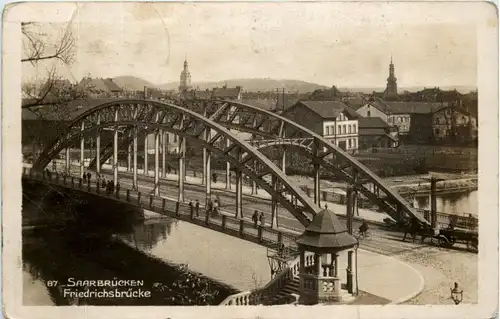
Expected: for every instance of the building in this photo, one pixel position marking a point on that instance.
(225, 93)
(100, 88)
(334, 120)
(185, 79)
(391, 91)
(453, 124)
(401, 114)
(372, 107)
(374, 132)
(196, 95)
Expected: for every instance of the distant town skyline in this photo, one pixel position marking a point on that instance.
(312, 43)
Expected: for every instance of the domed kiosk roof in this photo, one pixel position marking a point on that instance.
(326, 233)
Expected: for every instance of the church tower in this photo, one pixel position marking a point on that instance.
(185, 83)
(391, 92)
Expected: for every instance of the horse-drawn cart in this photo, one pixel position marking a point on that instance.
(448, 237)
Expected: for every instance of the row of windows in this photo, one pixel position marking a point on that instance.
(401, 119)
(349, 143)
(444, 121)
(341, 129)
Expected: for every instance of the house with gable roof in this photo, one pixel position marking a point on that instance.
(333, 120)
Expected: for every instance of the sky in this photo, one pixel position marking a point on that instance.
(323, 43)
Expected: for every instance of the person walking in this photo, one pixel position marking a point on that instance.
(103, 183)
(209, 206)
(118, 187)
(89, 176)
(262, 219)
(85, 178)
(216, 207)
(326, 205)
(191, 208)
(197, 208)
(255, 218)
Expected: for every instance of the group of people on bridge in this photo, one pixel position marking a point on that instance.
(258, 218)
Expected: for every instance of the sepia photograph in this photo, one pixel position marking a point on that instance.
(238, 154)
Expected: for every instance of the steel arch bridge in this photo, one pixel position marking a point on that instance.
(140, 115)
(270, 129)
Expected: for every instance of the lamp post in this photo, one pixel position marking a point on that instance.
(456, 294)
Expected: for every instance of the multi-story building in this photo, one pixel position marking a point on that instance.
(334, 120)
(454, 124)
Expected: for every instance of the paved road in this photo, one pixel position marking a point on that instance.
(381, 240)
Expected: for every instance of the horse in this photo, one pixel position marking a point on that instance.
(415, 228)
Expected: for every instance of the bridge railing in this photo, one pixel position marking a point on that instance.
(265, 294)
(223, 221)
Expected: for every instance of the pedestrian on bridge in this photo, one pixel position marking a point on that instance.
(216, 207)
(117, 187)
(191, 208)
(214, 177)
(85, 178)
(197, 208)
(103, 183)
(89, 176)
(209, 206)
(255, 218)
(262, 219)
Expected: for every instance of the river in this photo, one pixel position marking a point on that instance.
(52, 254)
(461, 203)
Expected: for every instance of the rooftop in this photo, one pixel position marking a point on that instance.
(330, 109)
(226, 93)
(371, 122)
(326, 232)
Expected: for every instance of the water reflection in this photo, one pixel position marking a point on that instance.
(462, 203)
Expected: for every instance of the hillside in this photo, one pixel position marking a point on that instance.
(132, 83)
(254, 85)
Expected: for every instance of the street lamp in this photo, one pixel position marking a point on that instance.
(456, 294)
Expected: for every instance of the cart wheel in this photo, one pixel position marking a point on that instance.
(452, 241)
(442, 242)
(472, 244)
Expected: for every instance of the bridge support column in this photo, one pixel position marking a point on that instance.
(204, 175)
(82, 152)
(68, 167)
(129, 154)
(239, 188)
(157, 164)
(228, 169)
(433, 203)
(115, 150)
(146, 170)
(317, 190)
(180, 173)
(254, 184)
(134, 150)
(206, 169)
(274, 205)
(283, 161)
(163, 155)
(350, 209)
(98, 147)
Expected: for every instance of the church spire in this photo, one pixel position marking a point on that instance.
(185, 78)
(391, 92)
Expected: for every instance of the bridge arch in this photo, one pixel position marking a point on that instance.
(268, 127)
(152, 115)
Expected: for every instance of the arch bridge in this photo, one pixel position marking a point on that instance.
(215, 125)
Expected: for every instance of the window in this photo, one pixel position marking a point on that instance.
(327, 130)
(353, 143)
(354, 128)
(369, 113)
(350, 143)
(344, 129)
(349, 128)
(339, 131)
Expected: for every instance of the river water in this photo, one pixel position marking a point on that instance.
(49, 255)
(461, 203)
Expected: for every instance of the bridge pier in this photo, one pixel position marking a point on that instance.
(182, 170)
(239, 188)
(317, 190)
(350, 209)
(82, 151)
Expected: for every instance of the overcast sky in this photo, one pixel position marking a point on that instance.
(321, 43)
